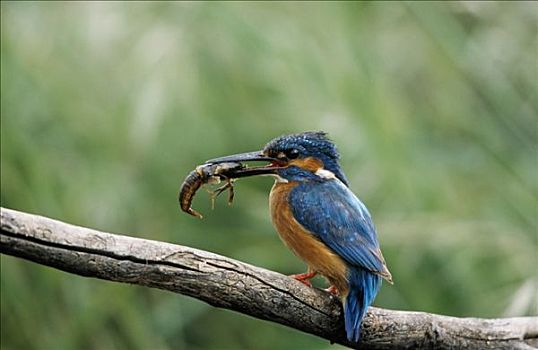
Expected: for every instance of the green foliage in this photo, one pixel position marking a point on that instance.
(105, 108)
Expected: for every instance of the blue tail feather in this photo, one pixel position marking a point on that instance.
(363, 287)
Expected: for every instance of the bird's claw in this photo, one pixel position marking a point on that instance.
(333, 290)
(304, 277)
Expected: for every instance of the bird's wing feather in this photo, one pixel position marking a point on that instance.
(338, 218)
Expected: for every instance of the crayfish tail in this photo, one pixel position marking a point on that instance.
(195, 213)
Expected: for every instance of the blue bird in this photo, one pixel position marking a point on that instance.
(321, 220)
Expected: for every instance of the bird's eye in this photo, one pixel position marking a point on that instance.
(293, 153)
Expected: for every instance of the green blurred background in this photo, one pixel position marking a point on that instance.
(105, 107)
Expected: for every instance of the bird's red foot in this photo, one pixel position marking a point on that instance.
(332, 290)
(304, 277)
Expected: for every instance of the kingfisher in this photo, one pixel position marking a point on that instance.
(320, 219)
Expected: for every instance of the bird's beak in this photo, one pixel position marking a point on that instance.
(257, 156)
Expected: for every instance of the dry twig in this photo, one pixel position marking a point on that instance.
(231, 284)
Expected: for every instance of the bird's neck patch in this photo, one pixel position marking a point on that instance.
(314, 165)
(311, 164)
(325, 174)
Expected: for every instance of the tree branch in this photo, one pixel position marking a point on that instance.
(251, 290)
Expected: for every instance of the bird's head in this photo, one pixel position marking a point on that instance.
(292, 157)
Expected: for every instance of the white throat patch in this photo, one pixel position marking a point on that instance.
(325, 174)
(279, 179)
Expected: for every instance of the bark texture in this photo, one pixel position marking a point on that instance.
(231, 284)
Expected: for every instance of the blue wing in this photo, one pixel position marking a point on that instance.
(337, 217)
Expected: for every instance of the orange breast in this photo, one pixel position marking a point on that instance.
(306, 246)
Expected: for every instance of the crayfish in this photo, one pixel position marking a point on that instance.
(208, 174)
